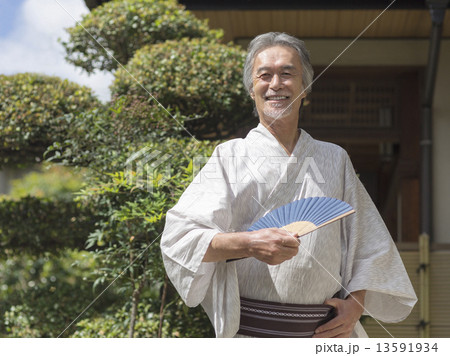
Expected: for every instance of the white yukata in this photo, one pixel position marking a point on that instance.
(244, 180)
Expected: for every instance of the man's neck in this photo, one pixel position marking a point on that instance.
(285, 131)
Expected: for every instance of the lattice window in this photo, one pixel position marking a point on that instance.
(355, 104)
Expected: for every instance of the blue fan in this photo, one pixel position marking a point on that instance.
(305, 215)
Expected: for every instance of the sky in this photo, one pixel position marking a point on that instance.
(29, 32)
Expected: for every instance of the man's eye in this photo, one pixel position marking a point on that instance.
(264, 75)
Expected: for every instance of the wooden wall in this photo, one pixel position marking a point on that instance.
(439, 299)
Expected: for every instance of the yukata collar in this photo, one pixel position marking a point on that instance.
(262, 136)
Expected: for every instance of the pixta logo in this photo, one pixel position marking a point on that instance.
(146, 169)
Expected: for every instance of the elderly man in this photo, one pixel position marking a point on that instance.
(351, 265)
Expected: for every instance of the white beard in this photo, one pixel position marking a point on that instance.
(277, 113)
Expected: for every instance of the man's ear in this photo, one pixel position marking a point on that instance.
(303, 94)
(252, 93)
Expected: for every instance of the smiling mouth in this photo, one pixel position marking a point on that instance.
(276, 97)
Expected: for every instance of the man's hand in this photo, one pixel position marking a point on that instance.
(348, 313)
(273, 246)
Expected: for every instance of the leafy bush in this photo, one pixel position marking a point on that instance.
(183, 322)
(137, 197)
(122, 27)
(30, 109)
(37, 225)
(199, 77)
(116, 324)
(131, 204)
(103, 138)
(131, 207)
(56, 182)
(40, 215)
(45, 294)
(138, 163)
(19, 323)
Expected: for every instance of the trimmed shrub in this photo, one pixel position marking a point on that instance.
(183, 322)
(199, 77)
(103, 138)
(46, 293)
(131, 203)
(122, 27)
(38, 225)
(54, 182)
(116, 325)
(131, 207)
(31, 106)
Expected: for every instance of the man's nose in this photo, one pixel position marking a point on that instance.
(276, 82)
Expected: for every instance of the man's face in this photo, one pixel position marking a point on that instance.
(277, 83)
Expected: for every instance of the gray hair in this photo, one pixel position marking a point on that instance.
(272, 39)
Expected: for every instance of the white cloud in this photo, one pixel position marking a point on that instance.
(32, 46)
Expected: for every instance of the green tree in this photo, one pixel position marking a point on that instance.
(48, 181)
(129, 218)
(122, 27)
(101, 139)
(130, 226)
(41, 294)
(31, 108)
(111, 227)
(199, 77)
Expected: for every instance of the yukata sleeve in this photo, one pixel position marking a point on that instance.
(370, 258)
(202, 211)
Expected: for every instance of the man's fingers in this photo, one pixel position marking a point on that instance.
(274, 246)
(340, 331)
(330, 325)
(290, 242)
(343, 324)
(334, 302)
(334, 323)
(328, 332)
(334, 328)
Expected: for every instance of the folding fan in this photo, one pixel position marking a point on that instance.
(305, 215)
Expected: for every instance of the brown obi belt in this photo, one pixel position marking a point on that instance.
(271, 319)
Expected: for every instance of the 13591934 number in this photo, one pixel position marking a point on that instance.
(406, 347)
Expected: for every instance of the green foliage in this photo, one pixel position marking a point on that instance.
(127, 231)
(31, 106)
(56, 182)
(40, 215)
(116, 325)
(37, 225)
(180, 321)
(183, 321)
(199, 77)
(103, 138)
(123, 219)
(137, 162)
(131, 206)
(122, 27)
(18, 322)
(44, 295)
